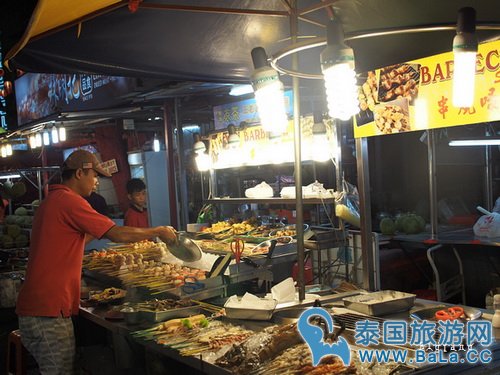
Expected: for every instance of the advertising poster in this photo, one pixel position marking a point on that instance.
(417, 95)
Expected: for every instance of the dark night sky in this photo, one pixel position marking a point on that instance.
(14, 15)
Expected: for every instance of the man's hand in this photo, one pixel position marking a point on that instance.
(167, 234)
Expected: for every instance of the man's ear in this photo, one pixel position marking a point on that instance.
(129, 196)
(78, 173)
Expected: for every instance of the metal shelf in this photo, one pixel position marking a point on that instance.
(276, 201)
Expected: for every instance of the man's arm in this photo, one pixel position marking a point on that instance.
(88, 238)
(132, 234)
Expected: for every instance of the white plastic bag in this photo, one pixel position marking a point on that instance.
(262, 190)
(488, 226)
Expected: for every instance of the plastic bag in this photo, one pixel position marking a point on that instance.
(262, 190)
(497, 206)
(488, 226)
(347, 204)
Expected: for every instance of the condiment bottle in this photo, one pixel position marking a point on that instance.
(495, 322)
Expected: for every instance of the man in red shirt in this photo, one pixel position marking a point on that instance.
(63, 223)
(137, 214)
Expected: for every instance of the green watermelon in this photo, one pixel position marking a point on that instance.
(18, 189)
(21, 211)
(22, 240)
(7, 241)
(387, 226)
(400, 222)
(13, 230)
(10, 219)
(411, 225)
(421, 222)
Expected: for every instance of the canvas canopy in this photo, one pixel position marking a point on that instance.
(211, 41)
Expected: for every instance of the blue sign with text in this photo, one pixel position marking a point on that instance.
(244, 111)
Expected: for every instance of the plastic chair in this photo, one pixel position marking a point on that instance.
(445, 289)
(16, 354)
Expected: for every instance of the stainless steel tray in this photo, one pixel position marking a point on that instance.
(211, 287)
(250, 314)
(160, 316)
(380, 303)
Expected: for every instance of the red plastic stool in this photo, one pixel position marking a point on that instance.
(16, 354)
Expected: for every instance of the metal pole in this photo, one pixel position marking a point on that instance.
(298, 159)
(431, 156)
(169, 146)
(40, 186)
(366, 213)
(488, 175)
(182, 168)
(45, 178)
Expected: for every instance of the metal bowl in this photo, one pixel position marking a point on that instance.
(185, 248)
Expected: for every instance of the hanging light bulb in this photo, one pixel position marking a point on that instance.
(269, 94)
(320, 148)
(233, 141)
(156, 144)
(238, 90)
(337, 65)
(55, 135)
(202, 159)
(464, 56)
(32, 140)
(278, 152)
(62, 133)
(233, 155)
(46, 138)
(9, 149)
(198, 146)
(38, 138)
(202, 162)
(3, 151)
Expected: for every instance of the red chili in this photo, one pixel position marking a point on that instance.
(451, 313)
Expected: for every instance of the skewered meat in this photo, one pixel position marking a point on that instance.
(259, 348)
(399, 81)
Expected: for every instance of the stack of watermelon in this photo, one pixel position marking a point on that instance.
(408, 223)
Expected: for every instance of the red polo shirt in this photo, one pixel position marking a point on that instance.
(52, 285)
(136, 218)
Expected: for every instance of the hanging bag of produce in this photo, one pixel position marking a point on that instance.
(347, 204)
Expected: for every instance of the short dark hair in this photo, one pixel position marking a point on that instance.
(135, 185)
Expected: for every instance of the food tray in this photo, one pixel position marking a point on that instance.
(380, 303)
(250, 314)
(160, 316)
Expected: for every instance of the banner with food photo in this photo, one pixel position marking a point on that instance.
(417, 95)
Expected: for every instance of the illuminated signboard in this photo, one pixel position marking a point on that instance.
(3, 101)
(42, 95)
(244, 111)
(417, 95)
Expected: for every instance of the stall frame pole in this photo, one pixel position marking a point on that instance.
(431, 155)
(182, 168)
(298, 158)
(363, 166)
(169, 154)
